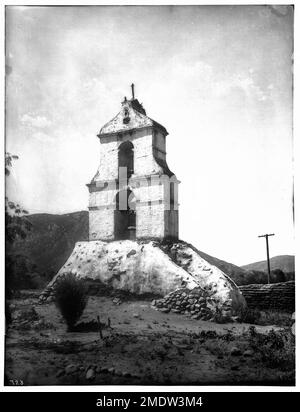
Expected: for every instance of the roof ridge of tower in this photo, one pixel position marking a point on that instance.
(132, 116)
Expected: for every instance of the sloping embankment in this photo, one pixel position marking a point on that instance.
(143, 267)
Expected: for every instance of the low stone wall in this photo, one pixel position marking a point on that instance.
(198, 303)
(276, 296)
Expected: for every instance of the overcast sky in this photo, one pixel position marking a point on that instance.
(219, 79)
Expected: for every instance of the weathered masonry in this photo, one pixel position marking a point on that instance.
(133, 195)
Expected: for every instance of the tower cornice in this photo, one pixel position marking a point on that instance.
(154, 126)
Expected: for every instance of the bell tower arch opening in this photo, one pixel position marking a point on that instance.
(133, 156)
(126, 157)
(125, 215)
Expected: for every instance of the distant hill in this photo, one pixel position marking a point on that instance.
(286, 263)
(52, 239)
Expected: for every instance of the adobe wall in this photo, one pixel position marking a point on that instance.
(275, 296)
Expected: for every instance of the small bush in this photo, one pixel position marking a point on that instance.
(228, 336)
(216, 347)
(276, 349)
(265, 317)
(220, 318)
(250, 316)
(70, 295)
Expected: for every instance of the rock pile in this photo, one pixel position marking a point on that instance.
(198, 303)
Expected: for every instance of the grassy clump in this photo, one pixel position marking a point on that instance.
(70, 296)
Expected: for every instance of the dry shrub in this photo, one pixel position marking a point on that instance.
(276, 348)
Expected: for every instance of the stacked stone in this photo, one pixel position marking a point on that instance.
(47, 294)
(276, 296)
(197, 303)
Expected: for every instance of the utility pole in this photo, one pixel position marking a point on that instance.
(268, 257)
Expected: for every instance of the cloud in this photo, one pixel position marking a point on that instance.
(243, 82)
(40, 122)
(36, 126)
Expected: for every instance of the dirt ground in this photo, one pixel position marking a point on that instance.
(142, 346)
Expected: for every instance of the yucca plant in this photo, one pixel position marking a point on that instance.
(70, 294)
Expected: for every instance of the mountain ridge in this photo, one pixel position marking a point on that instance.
(286, 263)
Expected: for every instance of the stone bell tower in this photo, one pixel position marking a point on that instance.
(133, 195)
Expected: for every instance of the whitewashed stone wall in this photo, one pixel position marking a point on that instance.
(146, 267)
(150, 221)
(144, 161)
(153, 219)
(101, 224)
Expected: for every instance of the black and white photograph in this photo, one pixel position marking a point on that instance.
(149, 196)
